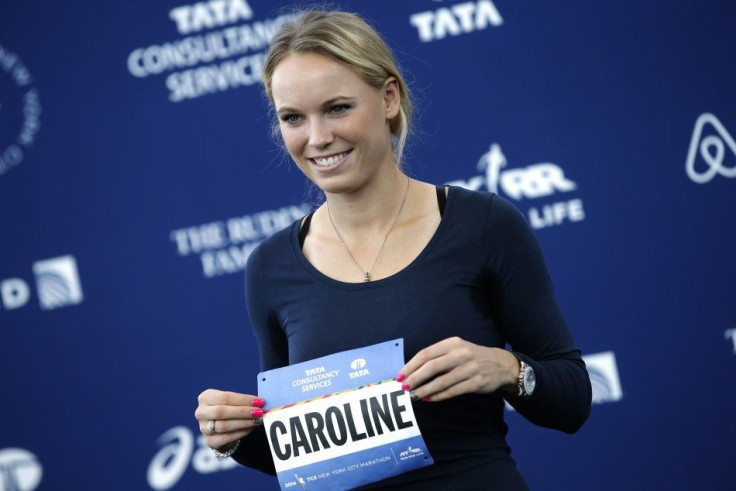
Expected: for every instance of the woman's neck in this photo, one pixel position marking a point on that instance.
(371, 209)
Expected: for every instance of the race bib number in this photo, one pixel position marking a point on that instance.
(341, 421)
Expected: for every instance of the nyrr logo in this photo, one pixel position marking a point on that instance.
(461, 18)
(531, 182)
(177, 451)
(410, 453)
(57, 284)
(604, 377)
(711, 149)
(300, 480)
(19, 470)
(359, 368)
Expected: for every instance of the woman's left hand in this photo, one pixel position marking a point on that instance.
(454, 366)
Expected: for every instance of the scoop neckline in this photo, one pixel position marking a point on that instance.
(320, 276)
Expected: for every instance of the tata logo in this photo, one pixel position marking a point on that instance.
(707, 156)
(359, 368)
(461, 18)
(57, 285)
(534, 181)
(208, 15)
(19, 470)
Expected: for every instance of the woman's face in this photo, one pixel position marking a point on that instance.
(335, 126)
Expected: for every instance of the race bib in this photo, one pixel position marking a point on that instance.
(341, 421)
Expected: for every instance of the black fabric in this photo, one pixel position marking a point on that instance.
(304, 229)
(441, 199)
(481, 277)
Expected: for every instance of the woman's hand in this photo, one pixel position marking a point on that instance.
(234, 415)
(454, 366)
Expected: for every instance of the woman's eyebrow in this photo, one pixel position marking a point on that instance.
(335, 99)
(329, 102)
(285, 110)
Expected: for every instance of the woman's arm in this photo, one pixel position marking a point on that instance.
(527, 313)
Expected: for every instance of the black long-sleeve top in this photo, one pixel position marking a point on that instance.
(481, 277)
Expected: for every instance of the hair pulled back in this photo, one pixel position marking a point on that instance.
(349, 39)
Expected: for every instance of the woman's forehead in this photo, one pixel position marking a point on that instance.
(305, 78)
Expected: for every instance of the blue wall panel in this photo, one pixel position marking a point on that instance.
(137, 173)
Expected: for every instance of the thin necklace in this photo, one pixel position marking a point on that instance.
(367, 274)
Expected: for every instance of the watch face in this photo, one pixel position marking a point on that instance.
(529, 380)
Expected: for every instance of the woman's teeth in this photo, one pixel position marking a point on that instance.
(325, 162)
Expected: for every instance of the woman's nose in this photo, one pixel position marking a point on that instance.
(320, 134)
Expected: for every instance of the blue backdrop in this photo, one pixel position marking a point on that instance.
(137, 173)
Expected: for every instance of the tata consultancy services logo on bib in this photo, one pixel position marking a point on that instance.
(710, 154)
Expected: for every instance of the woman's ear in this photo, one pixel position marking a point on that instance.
(391, 97)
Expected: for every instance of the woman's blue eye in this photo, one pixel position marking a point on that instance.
(339, 108)
(290, 119)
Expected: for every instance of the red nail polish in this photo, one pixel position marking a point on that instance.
(258, 402)
(400, 377)
(426, 399)
(256, 413)
(405, 386)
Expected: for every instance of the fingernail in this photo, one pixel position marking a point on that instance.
(256, 413)
(400, 377)
(258, 402)
(258, 421)
(426, 399)
(413, 396)
(404, 386)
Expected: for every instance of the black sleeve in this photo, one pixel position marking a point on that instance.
(534, 325)
(273, 350)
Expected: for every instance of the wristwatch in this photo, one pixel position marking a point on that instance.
(526, 381)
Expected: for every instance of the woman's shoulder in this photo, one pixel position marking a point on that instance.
(485, 202)
(275, 246)
(487, 207)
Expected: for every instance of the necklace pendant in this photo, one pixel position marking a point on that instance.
(366, 277)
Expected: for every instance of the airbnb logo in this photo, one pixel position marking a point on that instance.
(711, 148)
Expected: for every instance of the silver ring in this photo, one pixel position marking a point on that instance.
(211, 427)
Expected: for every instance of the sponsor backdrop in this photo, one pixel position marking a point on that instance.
(137, 174)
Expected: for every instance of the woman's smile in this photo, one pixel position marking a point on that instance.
(329, 162)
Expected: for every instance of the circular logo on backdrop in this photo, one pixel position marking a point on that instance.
(19, 470)
(20, 110)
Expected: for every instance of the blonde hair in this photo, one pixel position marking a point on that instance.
(349, 39)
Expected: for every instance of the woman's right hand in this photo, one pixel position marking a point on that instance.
(235, 416)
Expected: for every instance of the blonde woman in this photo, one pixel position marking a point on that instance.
(457, 274)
